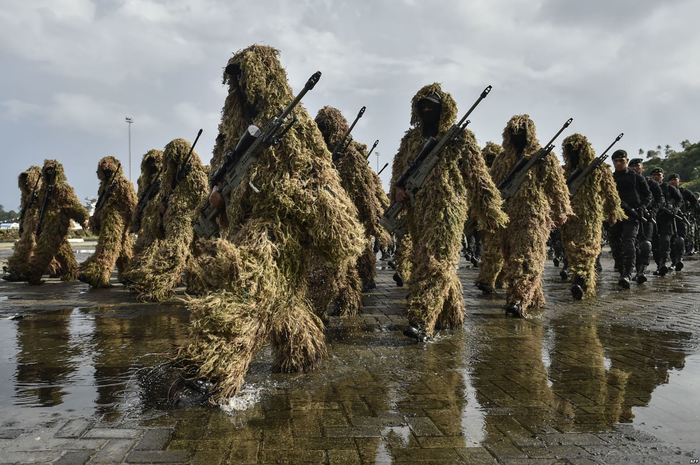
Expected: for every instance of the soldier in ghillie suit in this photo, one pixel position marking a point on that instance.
(490, 151)
(157, 269)
(296, 217)
(541, 204)
(58, 205)
(357, 180)
(436, 215)
(146, 220)
(116, 200)
(594, 202)
(29, 185)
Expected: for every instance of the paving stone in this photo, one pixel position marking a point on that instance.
(344, 457)
(112, 433)
(74, 428)
(10, 433)
(113, 452)
(40, 456)
(154, 439)
(158, 456)
(476, 455)
(74, 457)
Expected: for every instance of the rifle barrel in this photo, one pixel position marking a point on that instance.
(376, 142)
(341, 144)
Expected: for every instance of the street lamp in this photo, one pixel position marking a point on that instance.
(129, 120)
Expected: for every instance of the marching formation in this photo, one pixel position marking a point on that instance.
(281, 230)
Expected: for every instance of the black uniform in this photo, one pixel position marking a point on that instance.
(688, 207)
(636, 197)
(670, 243)
(647, 237)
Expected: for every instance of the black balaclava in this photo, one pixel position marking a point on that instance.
(429, 110)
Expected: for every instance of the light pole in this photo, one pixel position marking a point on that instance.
(129, 120)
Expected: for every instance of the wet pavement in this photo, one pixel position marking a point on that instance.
(610, 381)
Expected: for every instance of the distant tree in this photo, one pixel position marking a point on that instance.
(685, 162)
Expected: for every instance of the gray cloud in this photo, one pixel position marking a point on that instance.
(73, 69)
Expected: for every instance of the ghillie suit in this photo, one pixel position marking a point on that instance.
(157, 269)
(471, 244)
(436, 215)
(541, 203)
(146, 220)
(295, 217)
(382, 239)
(595, 201)
(29, 183)
(358, 182)
(60, 205)
(113, 212)
(490, 151)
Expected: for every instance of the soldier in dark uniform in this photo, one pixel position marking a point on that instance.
(666, 223)
(654, 181)
(635, 196)
(647, 223)
(687, 205)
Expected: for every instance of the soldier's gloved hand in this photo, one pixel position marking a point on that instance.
(216, 200)
(400, 194)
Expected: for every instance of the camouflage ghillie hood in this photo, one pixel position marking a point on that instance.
(27, 181)
(151, 166)
(58, 168)
(517, 124)
(577, 144)
(174, 157)
(257, 83)
(333, 126)
(109, 167)
(448, 111)
(490, 151)
(258, 76)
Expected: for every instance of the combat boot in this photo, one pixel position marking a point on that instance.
(485, 288)
(416, 332)
(515, 309)
(564, 274)
(624, 281)
(640, 278)
(679, 266)
(398, 279)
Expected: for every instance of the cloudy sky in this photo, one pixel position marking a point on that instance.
(73, 69)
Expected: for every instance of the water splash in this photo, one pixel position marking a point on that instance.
(247, 397)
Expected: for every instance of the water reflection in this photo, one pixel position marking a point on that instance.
(45, 358)
(648, 356)
(589, 394)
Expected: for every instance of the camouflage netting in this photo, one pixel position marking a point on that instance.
(541, 204)
(62, 205)
(490, 151)
(146, 220)
(299, 217)
(115, 207)
(157, 269)
(436, 217)
(18, 263)
(596, 201)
